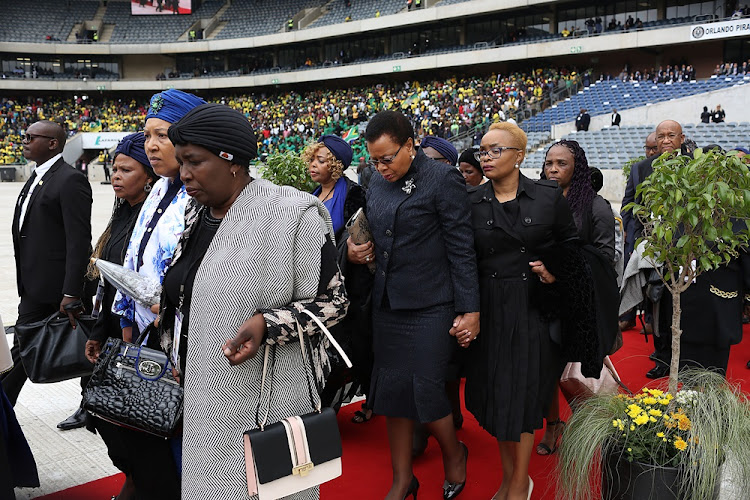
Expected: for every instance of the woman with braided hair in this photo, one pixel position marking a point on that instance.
(566, 164)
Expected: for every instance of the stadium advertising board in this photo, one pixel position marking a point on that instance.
(159, 7)
(725, 29)
(102, 140)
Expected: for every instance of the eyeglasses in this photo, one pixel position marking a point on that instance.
(493, 153)
(650, 148)
(386, 160)
(31, 137)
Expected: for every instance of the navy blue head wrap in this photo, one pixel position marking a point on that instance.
(172, 104)
(339, 148)
(442, 146)
(133, 146)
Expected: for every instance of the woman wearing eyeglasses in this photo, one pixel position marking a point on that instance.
(518, 225)
(425, 295)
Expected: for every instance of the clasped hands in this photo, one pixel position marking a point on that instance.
(465, 328)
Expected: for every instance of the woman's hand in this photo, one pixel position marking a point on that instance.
(246, 343)
(127, 334)
(92, 350)
(155, 309)
(360, 254)
(537, 267)
(465, 328)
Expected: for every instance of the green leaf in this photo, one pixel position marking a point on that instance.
(683, 240)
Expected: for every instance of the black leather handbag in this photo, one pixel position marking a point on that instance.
(52, 350)
(133, 387)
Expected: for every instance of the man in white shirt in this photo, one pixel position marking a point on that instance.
(51, 238)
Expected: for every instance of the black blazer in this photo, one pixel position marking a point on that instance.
(545, 222)
(53, 246)
(424, 245)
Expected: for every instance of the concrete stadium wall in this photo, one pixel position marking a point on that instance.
(400, 19)
(734, 101)
(591, 47)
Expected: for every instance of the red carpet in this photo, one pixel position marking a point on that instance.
(366, 461)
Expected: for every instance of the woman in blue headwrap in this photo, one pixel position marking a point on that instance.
(161, 220)
(327, 159)
(132, 179)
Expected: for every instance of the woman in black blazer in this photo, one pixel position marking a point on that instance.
(519, 226)
(425, 294)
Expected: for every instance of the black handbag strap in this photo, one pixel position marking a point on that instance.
(261, 423)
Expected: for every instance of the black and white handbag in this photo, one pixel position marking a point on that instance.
(298, 452)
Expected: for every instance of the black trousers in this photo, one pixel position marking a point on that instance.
(154, 478)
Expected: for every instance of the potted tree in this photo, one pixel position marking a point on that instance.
(669, 441)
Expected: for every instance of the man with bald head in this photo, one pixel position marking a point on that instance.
(669, 137)
(51, 238)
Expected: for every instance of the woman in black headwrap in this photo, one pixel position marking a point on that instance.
(470, 167)
(327, 159)
(253, 255)
(132, 180)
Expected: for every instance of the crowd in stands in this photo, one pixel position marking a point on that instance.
(76, 114)
(669, 74)
(287, 120)
(732, 68)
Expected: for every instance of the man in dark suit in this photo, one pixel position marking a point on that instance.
(615, 118)
(582, 121)
(51, 238)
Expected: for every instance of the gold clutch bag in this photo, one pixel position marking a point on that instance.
(359, 231)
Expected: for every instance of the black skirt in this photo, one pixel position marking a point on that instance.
(412, 350)
(513, 363)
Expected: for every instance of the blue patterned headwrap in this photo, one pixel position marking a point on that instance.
(172, 104)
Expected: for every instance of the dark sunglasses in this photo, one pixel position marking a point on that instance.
(31, 137)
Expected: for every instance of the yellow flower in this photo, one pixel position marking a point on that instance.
(652, 419)
(655, 413)
(614, 423)
(663, 401)
(641, 419)
(632, 427)
(655, 392)
(660, 434)
(680, 444)
(684, 424)
(649, 401)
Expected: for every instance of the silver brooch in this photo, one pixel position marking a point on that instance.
(409, 186)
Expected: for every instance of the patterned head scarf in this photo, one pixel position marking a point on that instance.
(172, 104)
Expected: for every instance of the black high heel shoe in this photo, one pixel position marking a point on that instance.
(413, 488)
(452, 490)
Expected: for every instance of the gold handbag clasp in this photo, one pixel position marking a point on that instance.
(303, 470)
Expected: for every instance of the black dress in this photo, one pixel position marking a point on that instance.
(514, 363)
(127, 447)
